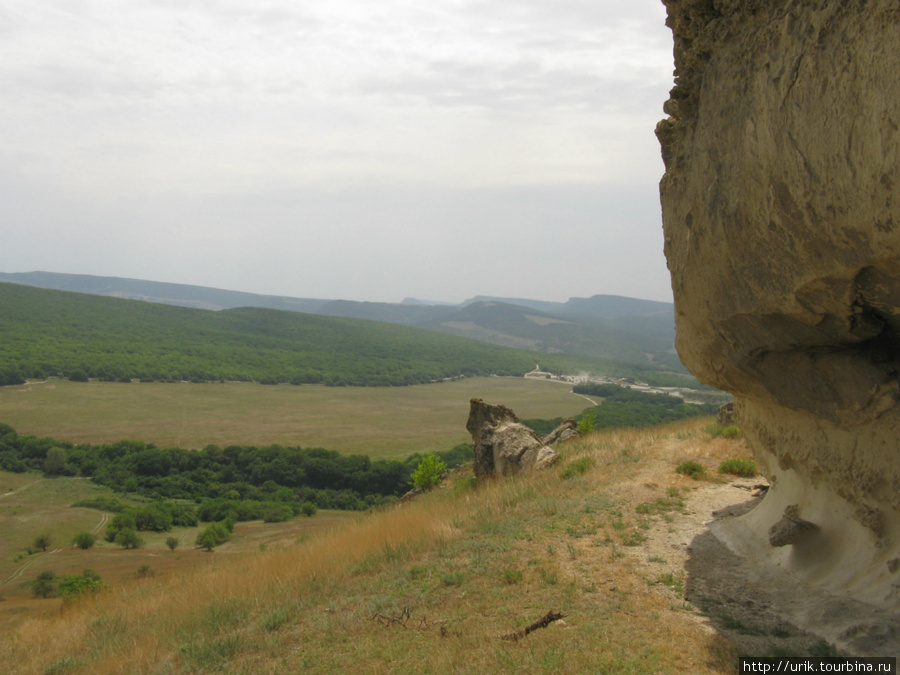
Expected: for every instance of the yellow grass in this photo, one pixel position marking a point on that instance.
(389, 422)
(429, 586)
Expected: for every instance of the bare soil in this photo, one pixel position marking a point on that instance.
(712, 582)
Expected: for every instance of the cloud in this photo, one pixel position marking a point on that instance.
(399, 125)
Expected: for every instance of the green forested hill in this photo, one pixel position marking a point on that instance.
(45, 332)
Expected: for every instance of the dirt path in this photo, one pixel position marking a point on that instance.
(35, 558)
(99, 526)
(589, 400)
(14, 492)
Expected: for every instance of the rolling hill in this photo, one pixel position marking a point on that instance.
(48, 332)
(610, 328)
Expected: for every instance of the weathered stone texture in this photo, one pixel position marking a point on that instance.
(781, 209)
(504, 446)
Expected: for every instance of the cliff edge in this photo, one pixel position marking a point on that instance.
(781, 209)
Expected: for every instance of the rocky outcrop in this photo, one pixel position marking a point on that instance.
(504, 446)
(781, 209)
(564, 432)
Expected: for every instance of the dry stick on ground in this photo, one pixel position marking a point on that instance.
(424, 624)
(549, 618)
(387, 620)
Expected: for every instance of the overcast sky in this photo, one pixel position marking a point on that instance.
(350, 149)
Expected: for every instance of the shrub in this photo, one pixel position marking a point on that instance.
(84, 540)
(719, 431)
(45, 584)
(121, 522)
(739, 467)
(278, 513)
(172, 543)
(587, 424)
(76, 584)
(42, 542)
(308, 509)
(128, 538)
(428, 474)
(213, 535)
(692, 469)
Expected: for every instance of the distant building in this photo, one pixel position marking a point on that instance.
(538, 374)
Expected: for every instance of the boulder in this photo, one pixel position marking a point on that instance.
(503, 445)
(725, 414)
(781, 218)
(564, 432)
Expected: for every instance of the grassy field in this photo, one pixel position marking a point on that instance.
(383, 422)
(31, 505)
(429, 586)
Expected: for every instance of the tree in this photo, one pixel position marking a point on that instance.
(42, 541)
(172, 543)
(308, 509)
(428, 474)
(55, 462)
(213, 535)
(84, 540)
(207, 540)
(128, 538)
(122, 521)
(45, 584)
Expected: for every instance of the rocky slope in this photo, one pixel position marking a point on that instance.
(782, 156)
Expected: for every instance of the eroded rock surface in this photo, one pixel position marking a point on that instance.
(781, 209)
(564, 432)
(503, 445)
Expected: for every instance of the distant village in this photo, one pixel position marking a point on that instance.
(689, 395)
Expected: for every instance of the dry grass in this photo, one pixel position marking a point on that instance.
(429, 586)
(378, 421)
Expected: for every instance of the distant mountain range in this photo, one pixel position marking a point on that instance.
(607, 327)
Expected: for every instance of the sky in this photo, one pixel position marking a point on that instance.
(344, 149)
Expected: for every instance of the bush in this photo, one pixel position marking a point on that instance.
(308, 509)
(128, 538)
(739, 467)
(278, 513)
(123, 521)
(84, 540)
(213, 535)
(76, 584)
(42, 542)
(718, 431)
(692, 469)
(587, 424)
(45, 584)
(428, 474)
(172, 543)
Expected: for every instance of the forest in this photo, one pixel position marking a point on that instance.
(624, 407)
(236, 482)
(47, 333)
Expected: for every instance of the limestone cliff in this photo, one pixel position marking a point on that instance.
(781, 209)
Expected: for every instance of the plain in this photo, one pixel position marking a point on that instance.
(381, 422)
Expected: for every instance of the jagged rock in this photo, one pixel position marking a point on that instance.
(781, 216)
(504, 446)
(564, 432)
(791, 528)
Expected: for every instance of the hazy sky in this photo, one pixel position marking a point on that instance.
(349, 149)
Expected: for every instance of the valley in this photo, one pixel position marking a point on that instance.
(381, 422)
